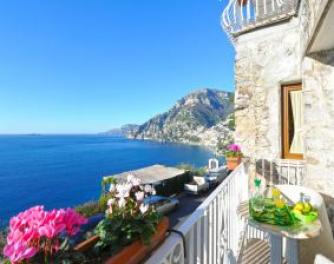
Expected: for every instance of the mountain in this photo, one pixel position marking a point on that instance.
(126, 130)
(203, 117)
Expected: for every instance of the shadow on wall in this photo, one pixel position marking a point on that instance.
(325, 57)
(329, 201)
(276, 171)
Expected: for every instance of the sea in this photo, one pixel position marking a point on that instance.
(60, 171)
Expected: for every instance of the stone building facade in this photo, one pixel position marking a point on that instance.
(296, 49)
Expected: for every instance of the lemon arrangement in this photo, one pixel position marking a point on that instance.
(272, 208)
(304, 211)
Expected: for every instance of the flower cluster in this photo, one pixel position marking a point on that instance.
(36, 230)
(129, 195)
(128, 216)
(233, 150)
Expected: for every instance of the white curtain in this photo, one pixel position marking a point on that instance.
(297, 145)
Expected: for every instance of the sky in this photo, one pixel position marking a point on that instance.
(86, 66)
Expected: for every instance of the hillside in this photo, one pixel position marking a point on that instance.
(204, 117)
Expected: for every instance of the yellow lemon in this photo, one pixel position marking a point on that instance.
(299, 206)
(307, 208)
(275, 193)
(279, 203)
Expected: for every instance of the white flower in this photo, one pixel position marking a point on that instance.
(109, 210)
(140, 196)
(123, 190)
(112, 187)
(148, 188)
(136, 181)
(154, 192)
(121, 202)
(111, 201)
(143, 208)
(130, 178)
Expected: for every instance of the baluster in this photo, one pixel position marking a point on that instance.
(205, 237)
(210, 233)
(271, 178)
(215, 225)
(199, 241)
(273, 6)
(288, 172)
(190, 246)
(264, 7)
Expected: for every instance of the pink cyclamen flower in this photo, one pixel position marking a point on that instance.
(234, 148)
(140, 196)
(73, 221)
(19, 251)
(30, 227)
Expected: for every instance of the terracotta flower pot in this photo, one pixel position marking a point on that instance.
(233, 162)
(242, 2)
(133, 253)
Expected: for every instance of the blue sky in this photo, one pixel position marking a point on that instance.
(76, 66)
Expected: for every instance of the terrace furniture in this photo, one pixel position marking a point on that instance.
(197, 186)
(302, 244)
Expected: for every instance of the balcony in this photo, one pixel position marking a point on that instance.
(241, 16)
(215, 232)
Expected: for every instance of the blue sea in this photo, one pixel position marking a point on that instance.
(63, 171)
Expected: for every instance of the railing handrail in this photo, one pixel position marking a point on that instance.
(174, 242)
(187, 224)
(213, 232)
(241, 16)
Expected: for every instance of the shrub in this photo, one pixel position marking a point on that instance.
(201, 171)
(91, 208)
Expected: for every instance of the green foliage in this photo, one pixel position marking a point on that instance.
(90, 208)
(104, 200)
(231, 123)
(3, 242)
(192, 170)
(194, 139)
(107, 181)
(127, 217)
(231, 97)
(116, 232)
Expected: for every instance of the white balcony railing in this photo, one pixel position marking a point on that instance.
(244, 15)
(213, 233)
(205, 233)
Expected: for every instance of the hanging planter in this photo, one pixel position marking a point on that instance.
(242, 2)
(133, 253)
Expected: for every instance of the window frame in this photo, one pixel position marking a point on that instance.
(285, 89)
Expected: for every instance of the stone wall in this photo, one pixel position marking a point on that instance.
(318, 86)
(265, 60)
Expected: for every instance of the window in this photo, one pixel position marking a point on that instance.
(292, 122)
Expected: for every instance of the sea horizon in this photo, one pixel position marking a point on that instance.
(66, 170)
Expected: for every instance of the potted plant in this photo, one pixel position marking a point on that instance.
(233, 156)
(39, 236)
(242, 2)
(131, 228)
